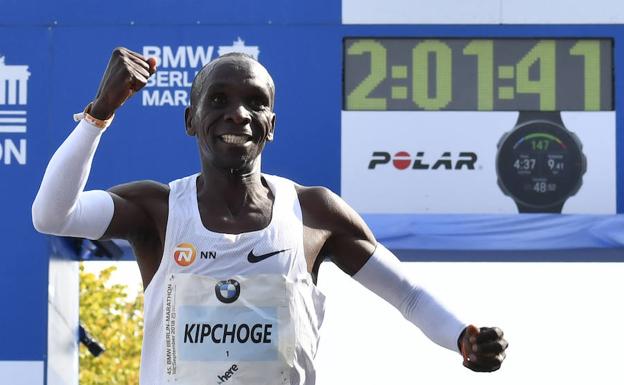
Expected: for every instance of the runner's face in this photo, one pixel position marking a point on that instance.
(233, 118)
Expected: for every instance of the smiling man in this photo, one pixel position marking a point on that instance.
(249, 314)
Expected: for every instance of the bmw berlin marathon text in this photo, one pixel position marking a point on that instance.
(177, 67)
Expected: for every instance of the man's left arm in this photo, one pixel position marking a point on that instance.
(353, 248)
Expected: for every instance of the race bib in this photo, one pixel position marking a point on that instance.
(239, 330)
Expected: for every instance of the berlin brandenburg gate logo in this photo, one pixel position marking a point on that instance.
(14, 95)
(13, 101)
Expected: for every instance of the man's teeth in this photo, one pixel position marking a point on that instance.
(235, 139)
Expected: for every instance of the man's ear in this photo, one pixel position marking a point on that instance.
(188, 121)
(272, 130)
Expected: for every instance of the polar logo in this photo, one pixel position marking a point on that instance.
(403, 160)
(184, 254)
(13, 100)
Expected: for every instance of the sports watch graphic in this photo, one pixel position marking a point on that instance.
(539, 163)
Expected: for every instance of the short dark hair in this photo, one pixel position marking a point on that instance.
(196, 87)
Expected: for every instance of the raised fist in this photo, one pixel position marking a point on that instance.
(127, 72)
(483, 349)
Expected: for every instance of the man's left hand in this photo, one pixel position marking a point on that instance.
(483, 349)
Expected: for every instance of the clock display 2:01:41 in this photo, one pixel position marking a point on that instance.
(478, 74)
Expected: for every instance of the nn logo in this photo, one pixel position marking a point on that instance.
(207, 255)
(227, 375)
(184, 254)
(403, 160)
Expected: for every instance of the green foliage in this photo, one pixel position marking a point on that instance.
(117, 323)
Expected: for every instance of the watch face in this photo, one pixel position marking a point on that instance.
(540, 164)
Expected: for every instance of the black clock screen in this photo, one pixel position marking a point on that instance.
(478, 74)
(539, 163)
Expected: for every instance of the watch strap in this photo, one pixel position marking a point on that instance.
(524, 209)
(530, 116)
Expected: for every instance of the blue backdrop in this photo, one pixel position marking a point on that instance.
(66, 46)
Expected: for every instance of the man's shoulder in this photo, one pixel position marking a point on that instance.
(321, 207)
(308, 195)
(324, 210)
(142, 190)
(317, 195)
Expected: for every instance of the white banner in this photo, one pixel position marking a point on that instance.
(482, 12)
(444, 162)
(539, 306)
(21, 372)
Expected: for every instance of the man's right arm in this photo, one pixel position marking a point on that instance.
(61, 206)
(135, 211)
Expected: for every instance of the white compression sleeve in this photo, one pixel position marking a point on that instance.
(382, 274)
(61, 206)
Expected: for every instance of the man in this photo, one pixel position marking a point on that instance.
(251, 315)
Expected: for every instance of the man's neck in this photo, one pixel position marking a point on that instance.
(234, 190)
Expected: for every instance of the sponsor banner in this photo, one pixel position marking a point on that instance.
(482, 12)
(93, 14)
(148, 140)
(177, 67)
(24, 106)
(445, 162)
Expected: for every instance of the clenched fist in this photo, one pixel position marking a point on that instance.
(483, 349)
(127, 72)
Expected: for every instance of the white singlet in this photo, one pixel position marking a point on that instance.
(231, 308)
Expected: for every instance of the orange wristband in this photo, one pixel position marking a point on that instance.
(99, 123)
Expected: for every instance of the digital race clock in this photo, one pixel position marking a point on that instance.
(539, 163)
(478, 74)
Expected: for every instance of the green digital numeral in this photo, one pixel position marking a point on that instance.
(540, 144)
(590, 50)
(358, 99)
(443, 75)
(543, 55)
(484, 51)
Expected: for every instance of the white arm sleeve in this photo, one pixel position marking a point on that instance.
(61, 207)
(382, 274)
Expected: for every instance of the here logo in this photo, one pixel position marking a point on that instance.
(228, 374)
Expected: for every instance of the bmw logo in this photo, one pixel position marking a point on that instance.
(227, 291)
